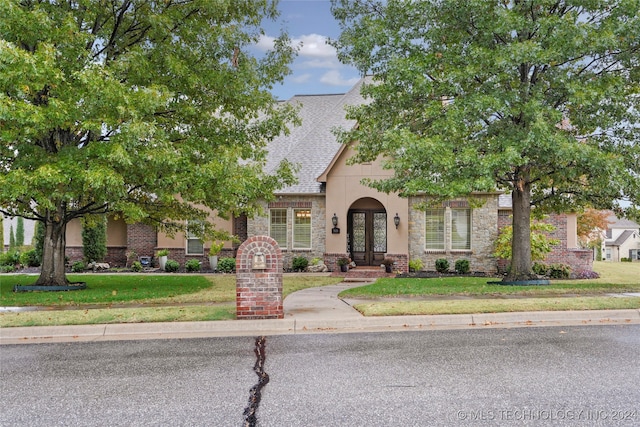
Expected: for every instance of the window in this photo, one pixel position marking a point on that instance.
(607, 252)
(278, 226)
(435, 229)
(442, 227)
(302, 228)
(461, 229)
(194, 244)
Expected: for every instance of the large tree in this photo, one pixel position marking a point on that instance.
(120, 105)
(539, 98)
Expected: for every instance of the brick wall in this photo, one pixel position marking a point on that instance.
(259, 290)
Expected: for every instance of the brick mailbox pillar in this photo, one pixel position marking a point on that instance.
(259, 279)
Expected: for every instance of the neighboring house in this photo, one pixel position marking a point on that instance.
(12, 222)
(622, 239)
(369, 225)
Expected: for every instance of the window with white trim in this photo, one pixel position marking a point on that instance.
(460, 229)
(195, 246)
(278, 226)
(434, 233)
(302, 228)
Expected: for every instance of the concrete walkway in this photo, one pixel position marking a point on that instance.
(313, 310)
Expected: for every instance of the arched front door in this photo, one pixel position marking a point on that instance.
(367, 232)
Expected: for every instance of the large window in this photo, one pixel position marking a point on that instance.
(194, 244)
(448, 229)
(278, 226)
(302, 228)
(461, 229)
(435, 229)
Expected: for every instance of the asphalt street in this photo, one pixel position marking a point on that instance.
(571, 375)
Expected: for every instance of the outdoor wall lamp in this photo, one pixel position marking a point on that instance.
(334, 221)
(396, 220)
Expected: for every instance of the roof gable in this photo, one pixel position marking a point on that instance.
(313, 145)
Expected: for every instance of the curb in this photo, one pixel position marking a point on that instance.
(292, 326)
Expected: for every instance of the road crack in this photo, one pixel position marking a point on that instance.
(255, 394)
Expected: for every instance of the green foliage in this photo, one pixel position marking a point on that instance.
(299, 263)
(541, 243)
(38, 240)
(227, 265)
(138, 104)
(537, 99)
(416, 264)
(316, 261)
(1, 233)
(19, 232)
(11, 257)
(462, 266)
(12, 238)
(215, 248)
(623, 259)
(94, 238)
(171, 266)
(136, 266)
(78, 267)
(7, 268)
(30, 258)
(559, 271)
(162, 252)
(192, 265)
(540, 269)
(442, 265)
(342, 261)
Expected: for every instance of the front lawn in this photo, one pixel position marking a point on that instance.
(124, 298)
(615, 278)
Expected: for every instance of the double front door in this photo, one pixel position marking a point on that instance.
(367, 236)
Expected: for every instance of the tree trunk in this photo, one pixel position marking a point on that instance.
(52, 272)
(520, 268)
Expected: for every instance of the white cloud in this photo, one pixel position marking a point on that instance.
(315, 45)
(310, 45)
(334, 78)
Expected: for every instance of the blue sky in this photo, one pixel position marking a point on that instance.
(316, 70)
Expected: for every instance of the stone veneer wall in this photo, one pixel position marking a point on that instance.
(484, 230)
(259, 225)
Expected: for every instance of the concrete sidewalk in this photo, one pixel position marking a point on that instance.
(313, 310)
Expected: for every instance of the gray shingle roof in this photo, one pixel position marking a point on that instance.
(312, 145)
(622, 238)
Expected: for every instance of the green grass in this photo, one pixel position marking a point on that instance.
(134, 298)
(390, 308)
(621, 277)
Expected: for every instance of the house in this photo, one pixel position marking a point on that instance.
(330, 214)
(622, 239)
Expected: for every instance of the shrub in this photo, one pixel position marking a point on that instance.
(78, 267)
(559, 271)
(316, 261)
(94, 238)
(7, 268)
(10, 258)
(192, 265)
(227, 265)
(586, 274)
(625, 259)
(171, 266)
(299, 263)
(416, 264)
(343, 261)
(30, 258)
(136, 266)
(442, 265)
(540, 269)
(462, 266)
(162, 252)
